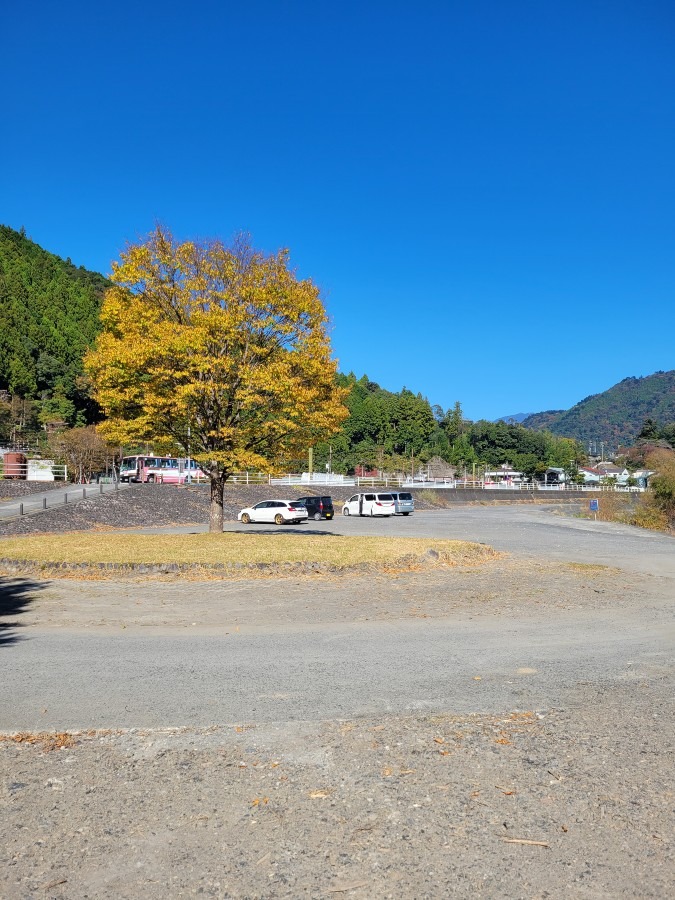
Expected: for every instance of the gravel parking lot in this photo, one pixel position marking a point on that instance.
(499, 732)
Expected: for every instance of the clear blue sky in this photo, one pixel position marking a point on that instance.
(485, 191)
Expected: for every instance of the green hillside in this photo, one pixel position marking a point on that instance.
(49, 311)
(615, 416)
(543, 421)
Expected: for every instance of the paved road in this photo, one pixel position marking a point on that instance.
(70, 680)
(54, 496)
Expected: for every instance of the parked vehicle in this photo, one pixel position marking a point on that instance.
(279, 511)
(318, 507)
(160, 469)
(369, 505)
(404, 502)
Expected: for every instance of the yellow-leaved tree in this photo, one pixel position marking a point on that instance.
(223, 340)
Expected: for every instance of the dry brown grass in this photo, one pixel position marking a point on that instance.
(45, 740)
(629, 509)
(238, 549)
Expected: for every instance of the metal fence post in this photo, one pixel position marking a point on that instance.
(44, 503)
(20, 509)
(65, 498)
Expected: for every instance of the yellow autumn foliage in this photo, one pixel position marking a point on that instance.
(222, 339)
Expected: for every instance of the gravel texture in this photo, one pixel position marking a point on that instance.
(10, 487)
(389, 806)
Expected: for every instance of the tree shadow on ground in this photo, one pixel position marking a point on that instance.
(16, 594)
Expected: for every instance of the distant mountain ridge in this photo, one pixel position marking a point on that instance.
(615, 416)
(516, 417)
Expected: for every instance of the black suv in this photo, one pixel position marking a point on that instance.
(318, 507)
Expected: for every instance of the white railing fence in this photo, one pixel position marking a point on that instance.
(33, 470)
(45, 470)
(392, 481)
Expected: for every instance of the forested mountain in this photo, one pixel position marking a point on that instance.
(542, 421)
(615, 416)
(49, 312)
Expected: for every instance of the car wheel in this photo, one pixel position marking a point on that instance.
(151, 479)
(279, 519)
(246, 519)
(317, 517)
(406, 514)
(345, 511)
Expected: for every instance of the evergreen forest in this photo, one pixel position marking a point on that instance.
(49, 311)
(402, 432)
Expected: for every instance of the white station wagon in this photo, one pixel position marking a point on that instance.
(369, 505)
(279, 511)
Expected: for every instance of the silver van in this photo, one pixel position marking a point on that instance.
(404, 502)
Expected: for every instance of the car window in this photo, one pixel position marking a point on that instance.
(353, 499)
(369, 496)
(384, 497)
(262, 505)
(405, 496)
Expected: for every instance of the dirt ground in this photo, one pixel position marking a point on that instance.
(504, 588)
(574, 800)
(527, 805)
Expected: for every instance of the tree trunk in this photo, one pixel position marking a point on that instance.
(216, 516)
